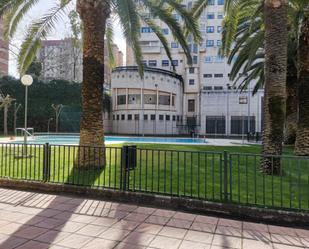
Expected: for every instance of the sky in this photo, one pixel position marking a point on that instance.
(63, 30)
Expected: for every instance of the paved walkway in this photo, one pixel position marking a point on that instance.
(35, 221)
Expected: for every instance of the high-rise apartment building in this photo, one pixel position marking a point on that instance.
(4, 54)
(62, 59)
(210, 103)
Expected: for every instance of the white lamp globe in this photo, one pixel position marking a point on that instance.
(27, 80)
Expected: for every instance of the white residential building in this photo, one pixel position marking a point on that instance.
(210, 105)
(62, 60)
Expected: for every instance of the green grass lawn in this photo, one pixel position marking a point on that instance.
(190, 171)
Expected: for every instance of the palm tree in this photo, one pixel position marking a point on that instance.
(302, 138)
(276, 41)
(97, 17)
(261, 49)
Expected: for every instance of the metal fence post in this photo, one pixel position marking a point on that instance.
(123, 171)
(225, 176)
(46, 162)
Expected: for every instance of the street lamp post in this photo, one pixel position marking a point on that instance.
(243, 100)
(27, 81)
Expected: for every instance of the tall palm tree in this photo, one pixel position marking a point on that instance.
(262, 53)
(302, 138)
(276, 41)
(97, 17)
(248, 57)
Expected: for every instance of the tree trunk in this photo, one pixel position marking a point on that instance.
(93, 14)
(302, 139)
(291, 104)
(276, 37)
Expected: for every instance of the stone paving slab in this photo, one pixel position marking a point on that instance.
(35, 221)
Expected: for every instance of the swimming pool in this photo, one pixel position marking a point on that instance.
(74, 139)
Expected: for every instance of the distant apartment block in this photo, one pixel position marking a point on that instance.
(61, 59)
(210, 103)
(4, 54)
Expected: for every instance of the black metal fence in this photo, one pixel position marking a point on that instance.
(214, 176)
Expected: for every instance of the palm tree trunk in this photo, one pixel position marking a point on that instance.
(275, 83)
(302, 139)
(291, 105)
(93, 14)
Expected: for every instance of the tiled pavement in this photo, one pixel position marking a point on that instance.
(38, 221)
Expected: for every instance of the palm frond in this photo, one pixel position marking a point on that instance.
(110, 43)
(15, 15)
(163, 14)
(157, 30)
(38, 31)
(130, 22)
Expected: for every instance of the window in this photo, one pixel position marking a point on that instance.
(219, 59)
(207, 75)
(114, 117)
(239, 124)
(210, 29)
(191, 105)
(144, 63)
(191, 70)
(153, 117)
(134, 99)
(121, 99)
(146, 30)
(118, 117)
(150, 99)
(175, 63)
(215, 125)
(145, 117)
(123, 117)
(165, 63)
(220, 16)
(174, 118)
(220, 2)
(219, 75)
(210, 43)
(208, 59)
(152, 63)
(136, 117)
(165, 31)
(161, 117)
(129, 116)
(195, 58)
(174, 45)
(191, 82)
(207, 88)
(218, 88)
(211, 15)
(164, 100)
(211, 2)
(167, 117)
(195, 48)
(219, 29)
(219, 43)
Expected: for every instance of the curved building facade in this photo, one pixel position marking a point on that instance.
(152, 105)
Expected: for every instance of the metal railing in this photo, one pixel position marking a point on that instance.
(214, 176)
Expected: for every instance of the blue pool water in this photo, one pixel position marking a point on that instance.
(73, 139)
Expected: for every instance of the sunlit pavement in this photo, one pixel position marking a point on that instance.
(35, 221)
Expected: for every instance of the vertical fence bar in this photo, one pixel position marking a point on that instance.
(46, 163)
(225, 175)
